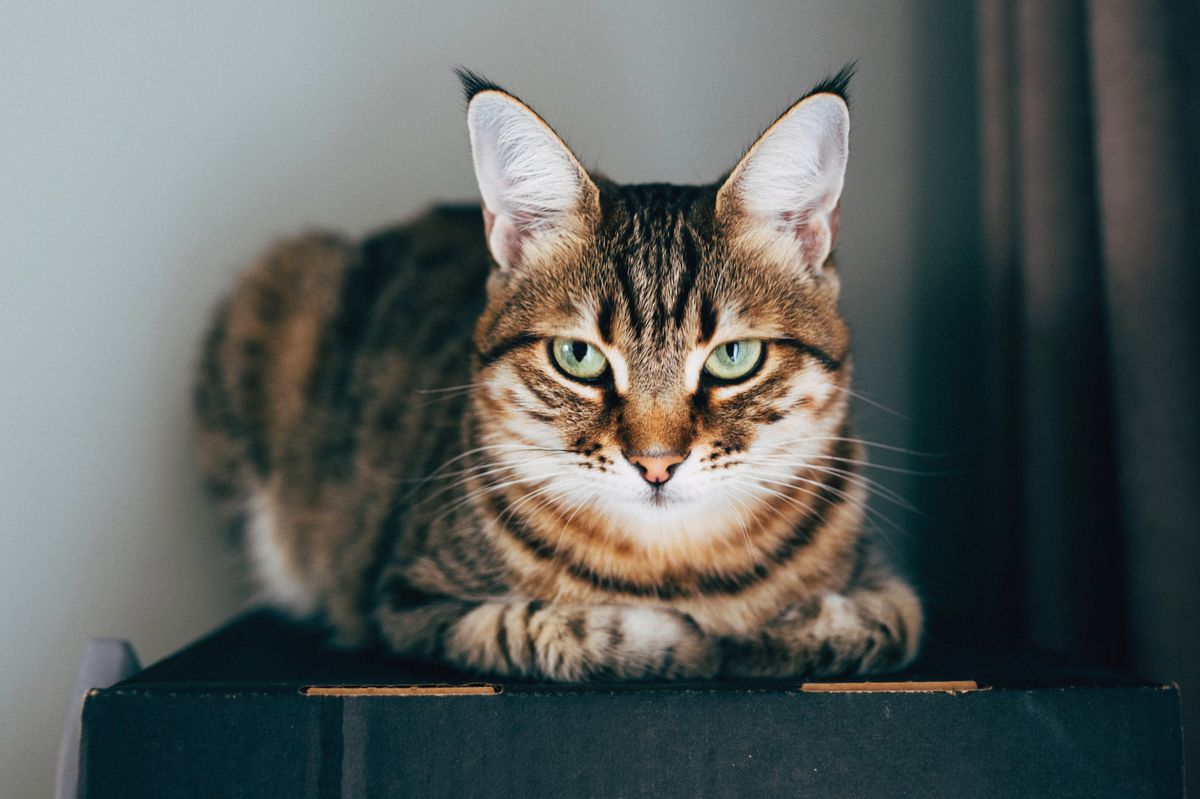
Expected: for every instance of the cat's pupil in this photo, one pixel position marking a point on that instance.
(579, 350)
(731, 350)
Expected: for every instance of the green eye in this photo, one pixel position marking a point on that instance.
(734, 360)
(578, 359)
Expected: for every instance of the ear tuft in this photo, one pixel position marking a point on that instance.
(837, 83)
(783, 195)
(536, 195)
(473, 83)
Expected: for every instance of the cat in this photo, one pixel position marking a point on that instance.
(596, 431)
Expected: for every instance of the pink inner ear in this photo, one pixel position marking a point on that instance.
(489, 219)
(794, 221)
(815, 243)
(816, 233)
(503, 236)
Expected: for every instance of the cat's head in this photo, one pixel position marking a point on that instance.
(660, 357)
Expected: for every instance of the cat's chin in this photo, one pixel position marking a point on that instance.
(661, 499)
(657, 515)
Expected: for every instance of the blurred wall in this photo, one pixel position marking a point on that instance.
(148, 149)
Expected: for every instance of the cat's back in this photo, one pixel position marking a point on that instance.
(324, 354)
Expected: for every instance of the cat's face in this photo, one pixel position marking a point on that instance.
(663, 359)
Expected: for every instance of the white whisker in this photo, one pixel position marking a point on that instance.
(841, 494)
(861, 480)
(873, 403)
(864, 442)
(446, 389)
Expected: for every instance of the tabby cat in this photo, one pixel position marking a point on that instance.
(599, 433)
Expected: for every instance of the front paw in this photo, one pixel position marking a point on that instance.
(837, 635)
(653, 643)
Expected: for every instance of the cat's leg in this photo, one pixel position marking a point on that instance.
(551, 640)
(873, 626)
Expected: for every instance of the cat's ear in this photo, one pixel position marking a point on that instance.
(536, 195)
(782, 197)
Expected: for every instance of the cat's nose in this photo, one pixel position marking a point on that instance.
(656, 469)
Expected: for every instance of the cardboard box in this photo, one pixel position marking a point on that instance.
(261, 708)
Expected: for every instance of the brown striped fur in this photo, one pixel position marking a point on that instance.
(384, 421)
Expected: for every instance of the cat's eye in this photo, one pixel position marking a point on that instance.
(578, 359)
(734, 360)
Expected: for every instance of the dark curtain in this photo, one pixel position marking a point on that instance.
(1087, 529)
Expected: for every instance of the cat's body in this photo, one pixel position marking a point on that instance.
(432, 465)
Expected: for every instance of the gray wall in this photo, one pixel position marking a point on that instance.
(148, 149)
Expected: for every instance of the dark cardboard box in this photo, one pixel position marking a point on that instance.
(261, 708)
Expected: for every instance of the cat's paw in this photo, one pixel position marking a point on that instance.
(622, 643)
(666, 644)
(872, 632)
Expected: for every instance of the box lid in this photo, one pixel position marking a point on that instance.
(263, 707)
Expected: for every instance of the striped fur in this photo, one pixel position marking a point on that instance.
(384, 422)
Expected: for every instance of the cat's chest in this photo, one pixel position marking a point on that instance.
(724, 596)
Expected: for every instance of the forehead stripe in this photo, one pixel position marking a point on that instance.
(621, 265)
(708, 318)
(604, 320)
(659, 268)
(687, 280)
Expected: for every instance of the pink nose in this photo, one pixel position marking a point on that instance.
(656, 469)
